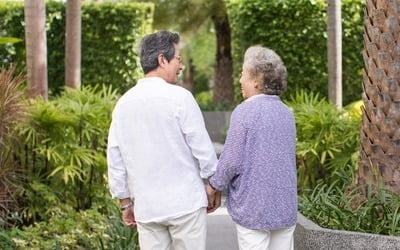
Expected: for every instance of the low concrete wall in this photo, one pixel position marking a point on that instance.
(217, 124)
(310, 236)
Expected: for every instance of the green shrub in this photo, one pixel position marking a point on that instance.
(110, 33)
(327, 138)
(96, 228)
(296, 30)
(341, 206)
(65, 144)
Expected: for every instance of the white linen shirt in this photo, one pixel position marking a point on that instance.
(158, 151)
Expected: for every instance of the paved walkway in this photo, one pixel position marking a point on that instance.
(221, 231)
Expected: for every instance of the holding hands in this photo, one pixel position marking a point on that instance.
(214, 198)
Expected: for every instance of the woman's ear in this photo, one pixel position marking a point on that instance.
(255, 84)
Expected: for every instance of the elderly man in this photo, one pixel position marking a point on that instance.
(159, 151)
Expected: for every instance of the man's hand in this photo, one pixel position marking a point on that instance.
(128, 215)
(214, 198)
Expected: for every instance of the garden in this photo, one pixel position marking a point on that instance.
(53, 169)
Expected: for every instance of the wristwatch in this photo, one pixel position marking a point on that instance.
(125, 207)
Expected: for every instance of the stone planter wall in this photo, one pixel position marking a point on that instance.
(310, 236)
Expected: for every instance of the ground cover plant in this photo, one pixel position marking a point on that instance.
(343, 206)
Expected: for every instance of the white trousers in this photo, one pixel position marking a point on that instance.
(281, 239)
(187, 232)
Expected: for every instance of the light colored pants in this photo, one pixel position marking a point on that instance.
(281, 239)
(187, 232)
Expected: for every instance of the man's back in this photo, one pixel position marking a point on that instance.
(155, 124)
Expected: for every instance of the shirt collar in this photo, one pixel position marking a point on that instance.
(261, 95)
(254, 97)
(151, 80)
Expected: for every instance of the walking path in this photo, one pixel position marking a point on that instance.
(221, 231)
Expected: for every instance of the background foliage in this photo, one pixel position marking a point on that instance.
(327, 154)
(64, 153)
(327, 138)
(12, 113)
(296, 30)
(100, 227)
(110, 35)
(341, 205)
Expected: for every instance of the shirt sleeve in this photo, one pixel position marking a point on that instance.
(197, 138)
(231, 159)
(117, 174)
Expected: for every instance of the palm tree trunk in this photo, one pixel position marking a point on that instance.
(73, 44)
(223, 78)
(36, 47)
(335, 52)
(379, 161)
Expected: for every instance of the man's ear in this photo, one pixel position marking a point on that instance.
(162, 61)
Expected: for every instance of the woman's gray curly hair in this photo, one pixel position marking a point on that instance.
(268, 68)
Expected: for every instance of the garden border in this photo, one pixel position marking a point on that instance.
(310, 236)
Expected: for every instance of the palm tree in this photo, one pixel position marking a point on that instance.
(73, 44)
(379, 161)
(335, 52)
(36, 48)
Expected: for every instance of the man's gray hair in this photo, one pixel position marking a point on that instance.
(153, 45)
(266, 66)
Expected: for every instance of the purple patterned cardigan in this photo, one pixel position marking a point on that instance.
(258, 165)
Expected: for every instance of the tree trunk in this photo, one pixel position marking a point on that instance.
(223, 79)
(335, 52)
(188, 78)
(73, 44)
(36, 47)
(379, 161)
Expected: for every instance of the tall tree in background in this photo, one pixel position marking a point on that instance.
(73, 44)
(223, 74)
(187, 16)
(379, 161)
(36, 47)
(335, 52)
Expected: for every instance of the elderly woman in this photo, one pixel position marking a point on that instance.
(257, 164)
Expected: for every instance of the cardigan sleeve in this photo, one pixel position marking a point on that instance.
(231, 160)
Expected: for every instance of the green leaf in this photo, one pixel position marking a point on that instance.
(5, 40)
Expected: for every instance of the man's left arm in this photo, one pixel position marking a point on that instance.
(193, 127)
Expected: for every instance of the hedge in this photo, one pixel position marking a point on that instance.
(297, 31)
(110, 33)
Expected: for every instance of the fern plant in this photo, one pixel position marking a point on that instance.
(65, 146)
